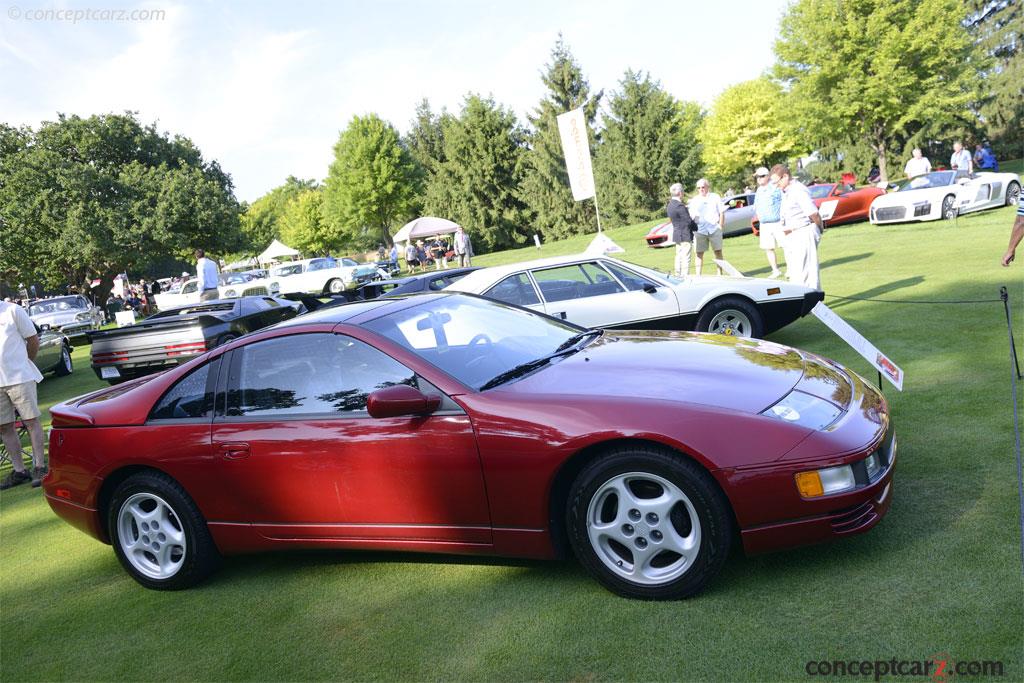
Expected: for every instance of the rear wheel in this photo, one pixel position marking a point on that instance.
(158, 533)
(649, 524)
(731, 316)
(335, 286)
(949, 211)
(65, 366)
(1012, 194)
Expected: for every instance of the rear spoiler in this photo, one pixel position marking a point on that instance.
(157, 325)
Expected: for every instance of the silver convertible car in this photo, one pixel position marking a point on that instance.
(608, 293)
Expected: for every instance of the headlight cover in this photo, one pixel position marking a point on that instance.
(805, 410)
(82, 317)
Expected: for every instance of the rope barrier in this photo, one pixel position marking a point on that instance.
(928, 303)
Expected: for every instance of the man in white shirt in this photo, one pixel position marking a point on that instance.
(961, 159)
(917, 165)
(19, 344)
(463, 247)
(708, 211)
(208, 276)
(801, 228)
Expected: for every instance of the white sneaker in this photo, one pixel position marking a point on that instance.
(775, 274)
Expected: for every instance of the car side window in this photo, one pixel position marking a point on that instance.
(631, 280)
(309, 374)
(578, 281)
(191, 397)
(515, 289)
(190, 287)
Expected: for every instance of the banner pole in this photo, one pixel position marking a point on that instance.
(598, 212)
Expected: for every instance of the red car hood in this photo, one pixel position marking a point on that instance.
(706, 369)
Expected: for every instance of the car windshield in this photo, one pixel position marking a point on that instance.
(348, 262)
(65, 303)
(934, 179)
(282, 271)
(820, 191)
(234, 278)
(473, 339)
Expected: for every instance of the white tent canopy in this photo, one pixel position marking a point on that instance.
(275, 251)
(244, 264)
(425, 226)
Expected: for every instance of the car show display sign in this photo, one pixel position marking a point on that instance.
(860, 344)
(575, 145)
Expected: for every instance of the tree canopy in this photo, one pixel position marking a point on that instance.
(997, 27)
(545, 187)
(261, 221)
(876, 72)
(371, 184)
(744, 130)
(85, 198)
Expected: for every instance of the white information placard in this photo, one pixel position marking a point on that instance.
(125, 318)
(857, 341)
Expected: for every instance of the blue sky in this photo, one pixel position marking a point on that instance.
(265, 88)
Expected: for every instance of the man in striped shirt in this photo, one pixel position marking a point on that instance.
(801, 228)
(1017, 234)
(767, 206)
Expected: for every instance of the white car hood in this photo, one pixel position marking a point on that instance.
(927, 194)
(57, 318)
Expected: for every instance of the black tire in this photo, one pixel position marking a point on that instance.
(1012, 193)
(712, 514)
(198, 554)
(334, 286)
(949, 210)
(730, 312)
(65, 367)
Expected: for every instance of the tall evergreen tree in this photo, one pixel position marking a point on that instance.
(997, 27)
(371, 183)
(650, 141)
(476, 183)
(545, 188)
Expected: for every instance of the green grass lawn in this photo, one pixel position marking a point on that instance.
(941, 574)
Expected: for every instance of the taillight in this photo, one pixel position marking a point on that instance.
(110, 357)
(185, 349)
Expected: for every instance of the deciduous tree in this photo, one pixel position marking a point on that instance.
(261, 221)
(303, 226)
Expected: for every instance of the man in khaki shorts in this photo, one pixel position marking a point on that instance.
(19, 344)
(708, 210)
(768, 208)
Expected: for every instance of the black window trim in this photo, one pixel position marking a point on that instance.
(533, 283)
(596, 261)
(212, 382)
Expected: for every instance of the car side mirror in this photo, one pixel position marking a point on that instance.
(399, 400)
(649, 288)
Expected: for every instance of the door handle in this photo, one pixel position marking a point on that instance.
(234, 451)
(561, 314)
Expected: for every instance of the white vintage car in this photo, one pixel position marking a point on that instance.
(73, 315)
(320, 276)
(945, 194)
(605, 292)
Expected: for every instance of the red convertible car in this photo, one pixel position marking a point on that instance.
(451, 423)
(851, 204)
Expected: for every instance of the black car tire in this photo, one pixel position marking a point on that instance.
(65, 367)
(198, 555)
(732, 305)
(949, 210)
(697, 495)
(1012, 193)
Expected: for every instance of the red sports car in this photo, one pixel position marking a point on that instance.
(451, 423)
(851, 204)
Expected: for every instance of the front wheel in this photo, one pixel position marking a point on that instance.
(949, 211)
(731, 316)
(648, 524)
(1012, 194)
(158, 533)
(65, 367)
(335, 286)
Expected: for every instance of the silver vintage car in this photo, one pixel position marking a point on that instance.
(72, 315)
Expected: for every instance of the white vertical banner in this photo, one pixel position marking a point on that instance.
(860, 344)
(572, 127)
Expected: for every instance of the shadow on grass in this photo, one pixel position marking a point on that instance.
(877, 291)
(846, 259)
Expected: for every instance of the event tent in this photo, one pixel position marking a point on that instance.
(425, 226)
(275, 251)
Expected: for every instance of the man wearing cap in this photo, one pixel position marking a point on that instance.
(768, 206)
(682, 229)
(801, 228)
(708, 212)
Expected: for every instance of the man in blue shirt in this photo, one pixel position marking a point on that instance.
(208, 276)
(961, 159)
(767, 207)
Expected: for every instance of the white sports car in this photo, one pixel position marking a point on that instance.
(597, 291)
(945, 194)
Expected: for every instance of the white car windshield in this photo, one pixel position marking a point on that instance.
(65, 303)
(282, 271)
(933, 179)
(473, 339)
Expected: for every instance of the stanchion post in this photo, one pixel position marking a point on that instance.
(1005, 296)
(1016, 418)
